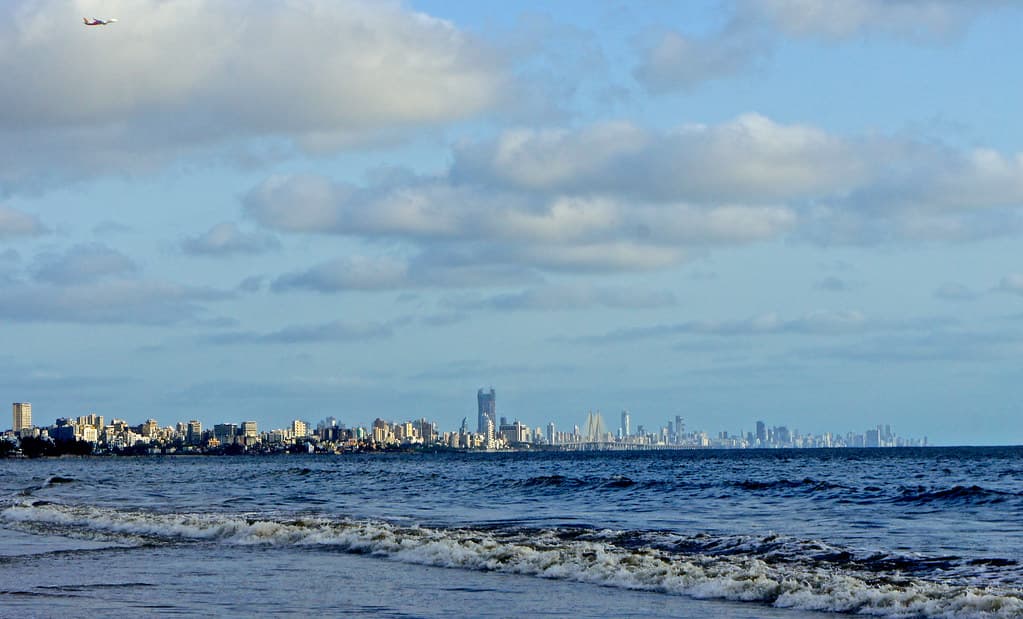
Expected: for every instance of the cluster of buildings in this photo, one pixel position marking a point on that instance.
(117, 434)
(595, 434)
(491, 433)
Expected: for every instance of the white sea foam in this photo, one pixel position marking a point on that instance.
(546, 555)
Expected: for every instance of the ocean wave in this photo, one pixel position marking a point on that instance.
(559, 483)
(53, 480)
(57, 479)
(777, 549)
(610, 558)
(811, 485)
(956, 495)
(543, 481)
(575, 483)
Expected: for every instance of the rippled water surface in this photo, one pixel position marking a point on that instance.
(907, 532)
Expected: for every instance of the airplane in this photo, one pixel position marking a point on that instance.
(98, 22)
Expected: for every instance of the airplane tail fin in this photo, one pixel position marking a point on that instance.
(85, 20)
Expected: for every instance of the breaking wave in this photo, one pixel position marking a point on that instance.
(750, 569)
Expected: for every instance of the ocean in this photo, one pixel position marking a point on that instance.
(932, 532)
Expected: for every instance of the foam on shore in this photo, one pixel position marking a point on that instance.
(594, 559)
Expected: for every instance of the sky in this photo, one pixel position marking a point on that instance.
(797, 211)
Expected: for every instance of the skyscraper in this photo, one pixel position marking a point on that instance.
(487, 403)
(22, 416)
(762, 434)
(626, 423)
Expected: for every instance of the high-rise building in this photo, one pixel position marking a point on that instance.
(22, 416)
(299, 428)
(487, 409)
(626, 423)
(762, 433)
(550, 433)
(193, 433)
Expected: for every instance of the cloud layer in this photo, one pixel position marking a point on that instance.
(616, 197)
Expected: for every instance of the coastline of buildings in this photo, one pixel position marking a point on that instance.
(93, 434)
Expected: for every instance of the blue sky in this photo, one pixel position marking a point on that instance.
(799, 211)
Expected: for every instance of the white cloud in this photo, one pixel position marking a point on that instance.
(174, 74)
(226, 239)
(617, 198)
(750, 158)
(548, 159)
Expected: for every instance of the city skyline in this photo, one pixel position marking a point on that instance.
(724, 210)
(495, 432)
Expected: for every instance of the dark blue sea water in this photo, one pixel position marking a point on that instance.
(894, 533)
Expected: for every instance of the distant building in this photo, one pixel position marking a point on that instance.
(626, 424)
(762, 433)
(487, 409)
(93, 420)
(150, 428)
(63, 430)
(299, 428)
(225, 433)
(595, 429)
(193, 433)
(514, 433)
(89, 433)
(250, 432)
(22, 416)
(427, 431)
